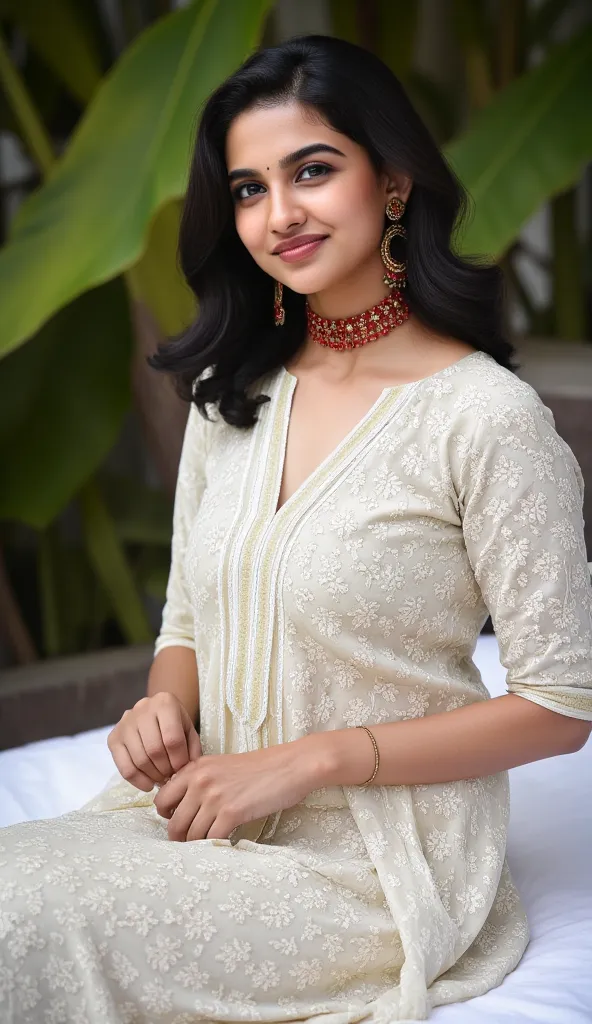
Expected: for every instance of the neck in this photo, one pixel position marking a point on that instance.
(379, 358)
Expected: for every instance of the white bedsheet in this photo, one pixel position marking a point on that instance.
(549, 847)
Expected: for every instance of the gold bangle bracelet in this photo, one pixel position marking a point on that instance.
(376, 756)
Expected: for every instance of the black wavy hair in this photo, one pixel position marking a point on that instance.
(234, 336)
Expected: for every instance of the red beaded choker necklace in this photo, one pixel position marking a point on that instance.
(357, 330)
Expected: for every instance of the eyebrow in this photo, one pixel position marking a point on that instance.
(291, 158)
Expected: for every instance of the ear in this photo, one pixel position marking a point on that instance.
(399, 185)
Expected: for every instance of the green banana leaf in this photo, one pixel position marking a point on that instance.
(529, 144)
(156, 278)
(62, 402)
(129, 155)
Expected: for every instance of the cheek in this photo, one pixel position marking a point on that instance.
(250, 228)
(360, 228)
(355, 212)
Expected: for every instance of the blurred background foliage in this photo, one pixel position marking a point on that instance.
(103, 99)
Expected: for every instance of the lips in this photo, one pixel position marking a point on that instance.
(300, 252)
(297, 243)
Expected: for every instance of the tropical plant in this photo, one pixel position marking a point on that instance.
(91, 256)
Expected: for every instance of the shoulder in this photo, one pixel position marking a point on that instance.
(478, 394)
(496, 422)
(478, 410)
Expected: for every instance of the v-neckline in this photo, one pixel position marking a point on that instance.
(333, 456)
(285, 378)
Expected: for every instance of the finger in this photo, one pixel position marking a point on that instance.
(190, 824)
(127, 768)
(181, 819)
(221, 828)
(194, 745)
(170, 796)
(152, 739)
(170, 722)
(133, 741)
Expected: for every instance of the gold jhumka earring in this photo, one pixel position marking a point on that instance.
(395, 276)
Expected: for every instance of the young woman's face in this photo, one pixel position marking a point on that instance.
(334, 192)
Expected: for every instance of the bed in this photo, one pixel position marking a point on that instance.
(549, 844)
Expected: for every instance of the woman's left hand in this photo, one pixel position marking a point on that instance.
(210, 797)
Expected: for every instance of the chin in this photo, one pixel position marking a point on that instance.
(313, 282)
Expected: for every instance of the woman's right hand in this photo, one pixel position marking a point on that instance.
(153, 740)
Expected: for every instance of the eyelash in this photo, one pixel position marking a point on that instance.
(236, 191)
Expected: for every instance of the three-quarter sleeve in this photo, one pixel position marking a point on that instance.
(177, 628)
(520, 493)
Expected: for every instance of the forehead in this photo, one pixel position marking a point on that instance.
(259, 137)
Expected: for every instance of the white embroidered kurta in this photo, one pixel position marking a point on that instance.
(360, 601)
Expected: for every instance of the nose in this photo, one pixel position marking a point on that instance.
(285, 211)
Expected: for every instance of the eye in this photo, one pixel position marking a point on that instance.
(325, 170)
(322, 167)
(236, 192)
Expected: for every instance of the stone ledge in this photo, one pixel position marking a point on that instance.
(64, 696)
(559, 368)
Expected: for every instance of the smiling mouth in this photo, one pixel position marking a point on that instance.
(301, 250)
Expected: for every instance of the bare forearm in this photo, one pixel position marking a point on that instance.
(470, 742)
(174, 670)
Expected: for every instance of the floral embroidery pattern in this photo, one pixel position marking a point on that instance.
(453, 499)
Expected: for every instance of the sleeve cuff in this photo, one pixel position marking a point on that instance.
(173, 641)
(572, 706)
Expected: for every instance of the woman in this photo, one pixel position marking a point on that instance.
(371, 481)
